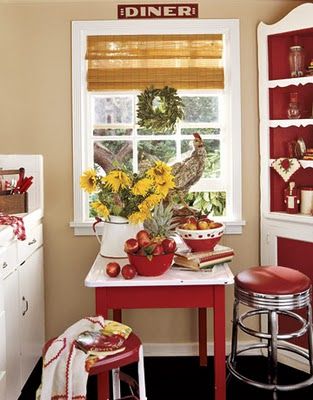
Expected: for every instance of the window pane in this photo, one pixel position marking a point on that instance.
(164, 150)
(210, 203)
(112, 132)
(148, 132)
(201, 109)
(113, 110)
(212, 162)
(113, 153)
(201, 131)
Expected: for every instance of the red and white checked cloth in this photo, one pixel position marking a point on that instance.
(17, 224)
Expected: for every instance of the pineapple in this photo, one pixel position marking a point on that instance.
(160, 224)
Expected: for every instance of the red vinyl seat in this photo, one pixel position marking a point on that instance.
(273, 280)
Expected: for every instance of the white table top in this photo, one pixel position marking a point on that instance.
(97, 276)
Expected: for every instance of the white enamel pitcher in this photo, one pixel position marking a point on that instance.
(115, 232)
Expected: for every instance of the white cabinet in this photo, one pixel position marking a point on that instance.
(286, 238)
(2, 332)
(22, 287)
(11, 297)
(31, 311)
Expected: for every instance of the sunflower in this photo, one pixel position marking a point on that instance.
(127, 194)
(150, 202)
(139, 216)
(160, 172)
(163, 188)
(117, 180)
(88, 181)
(100, 208)
(142, 187)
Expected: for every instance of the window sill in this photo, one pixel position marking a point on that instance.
(85, 228)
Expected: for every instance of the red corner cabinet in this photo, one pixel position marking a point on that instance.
(285, 51)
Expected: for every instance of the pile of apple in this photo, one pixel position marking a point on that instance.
(143, 245)
(201, 223)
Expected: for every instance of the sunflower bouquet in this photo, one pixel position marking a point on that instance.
(126, 194)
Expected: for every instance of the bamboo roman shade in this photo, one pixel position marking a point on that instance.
(136, 62)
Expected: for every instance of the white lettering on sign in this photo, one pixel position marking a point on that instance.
(128, 11)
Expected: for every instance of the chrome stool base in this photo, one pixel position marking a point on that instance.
(272, 306)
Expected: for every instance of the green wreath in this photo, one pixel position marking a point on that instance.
(159, 109)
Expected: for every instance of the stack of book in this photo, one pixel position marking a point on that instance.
(203, 260)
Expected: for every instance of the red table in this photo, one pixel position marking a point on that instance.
(174, 289)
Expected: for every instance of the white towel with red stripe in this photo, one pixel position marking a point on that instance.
(64, 376)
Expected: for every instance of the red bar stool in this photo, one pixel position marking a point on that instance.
(272, 291)
(133, 353)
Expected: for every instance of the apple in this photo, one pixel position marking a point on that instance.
(191, 220)
(213, 225)
(129, 271)
(158, 249)
(203, 224)
(131, 246)
(191, 226)
(143, 238)
(113, 269)
(205, 218)
(169, 245)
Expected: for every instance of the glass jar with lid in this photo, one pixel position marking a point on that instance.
(296, 61)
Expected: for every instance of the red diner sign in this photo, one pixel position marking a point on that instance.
(179, 10)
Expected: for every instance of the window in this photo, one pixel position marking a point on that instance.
(104, 117)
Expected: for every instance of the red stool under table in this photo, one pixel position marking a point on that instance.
(272, 291)
(133, 353)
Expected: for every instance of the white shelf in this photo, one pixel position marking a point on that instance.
(290, 81)
(286, 123)
(283, 216)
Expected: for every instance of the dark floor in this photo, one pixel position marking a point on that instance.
(181, 378)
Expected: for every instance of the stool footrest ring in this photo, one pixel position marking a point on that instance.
(262, 385)
(263, 335)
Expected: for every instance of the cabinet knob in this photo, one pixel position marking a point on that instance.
(26, 304)
(32, 242)
(5, 264)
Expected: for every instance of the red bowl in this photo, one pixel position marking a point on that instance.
(158, 265)
(202, 245)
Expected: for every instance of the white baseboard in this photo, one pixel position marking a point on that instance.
(188, 349)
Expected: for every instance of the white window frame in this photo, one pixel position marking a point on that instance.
(230, 30)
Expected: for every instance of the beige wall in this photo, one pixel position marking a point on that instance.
(35, 117)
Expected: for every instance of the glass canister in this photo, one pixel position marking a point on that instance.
(293, 110)
(296, 61)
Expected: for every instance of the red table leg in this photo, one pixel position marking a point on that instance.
(219, 342)
(117, 315)
(103, 386)
(202, 334)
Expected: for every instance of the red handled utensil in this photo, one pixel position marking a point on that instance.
(20, 180)
(26, 184)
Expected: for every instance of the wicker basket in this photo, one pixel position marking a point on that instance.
(12, 203)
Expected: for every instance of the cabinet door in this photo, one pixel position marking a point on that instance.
(11, 305)
(32, 312)
(2, 386)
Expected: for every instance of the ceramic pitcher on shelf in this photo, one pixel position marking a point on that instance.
(114, 234)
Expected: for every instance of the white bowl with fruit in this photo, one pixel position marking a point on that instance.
(200, 234)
